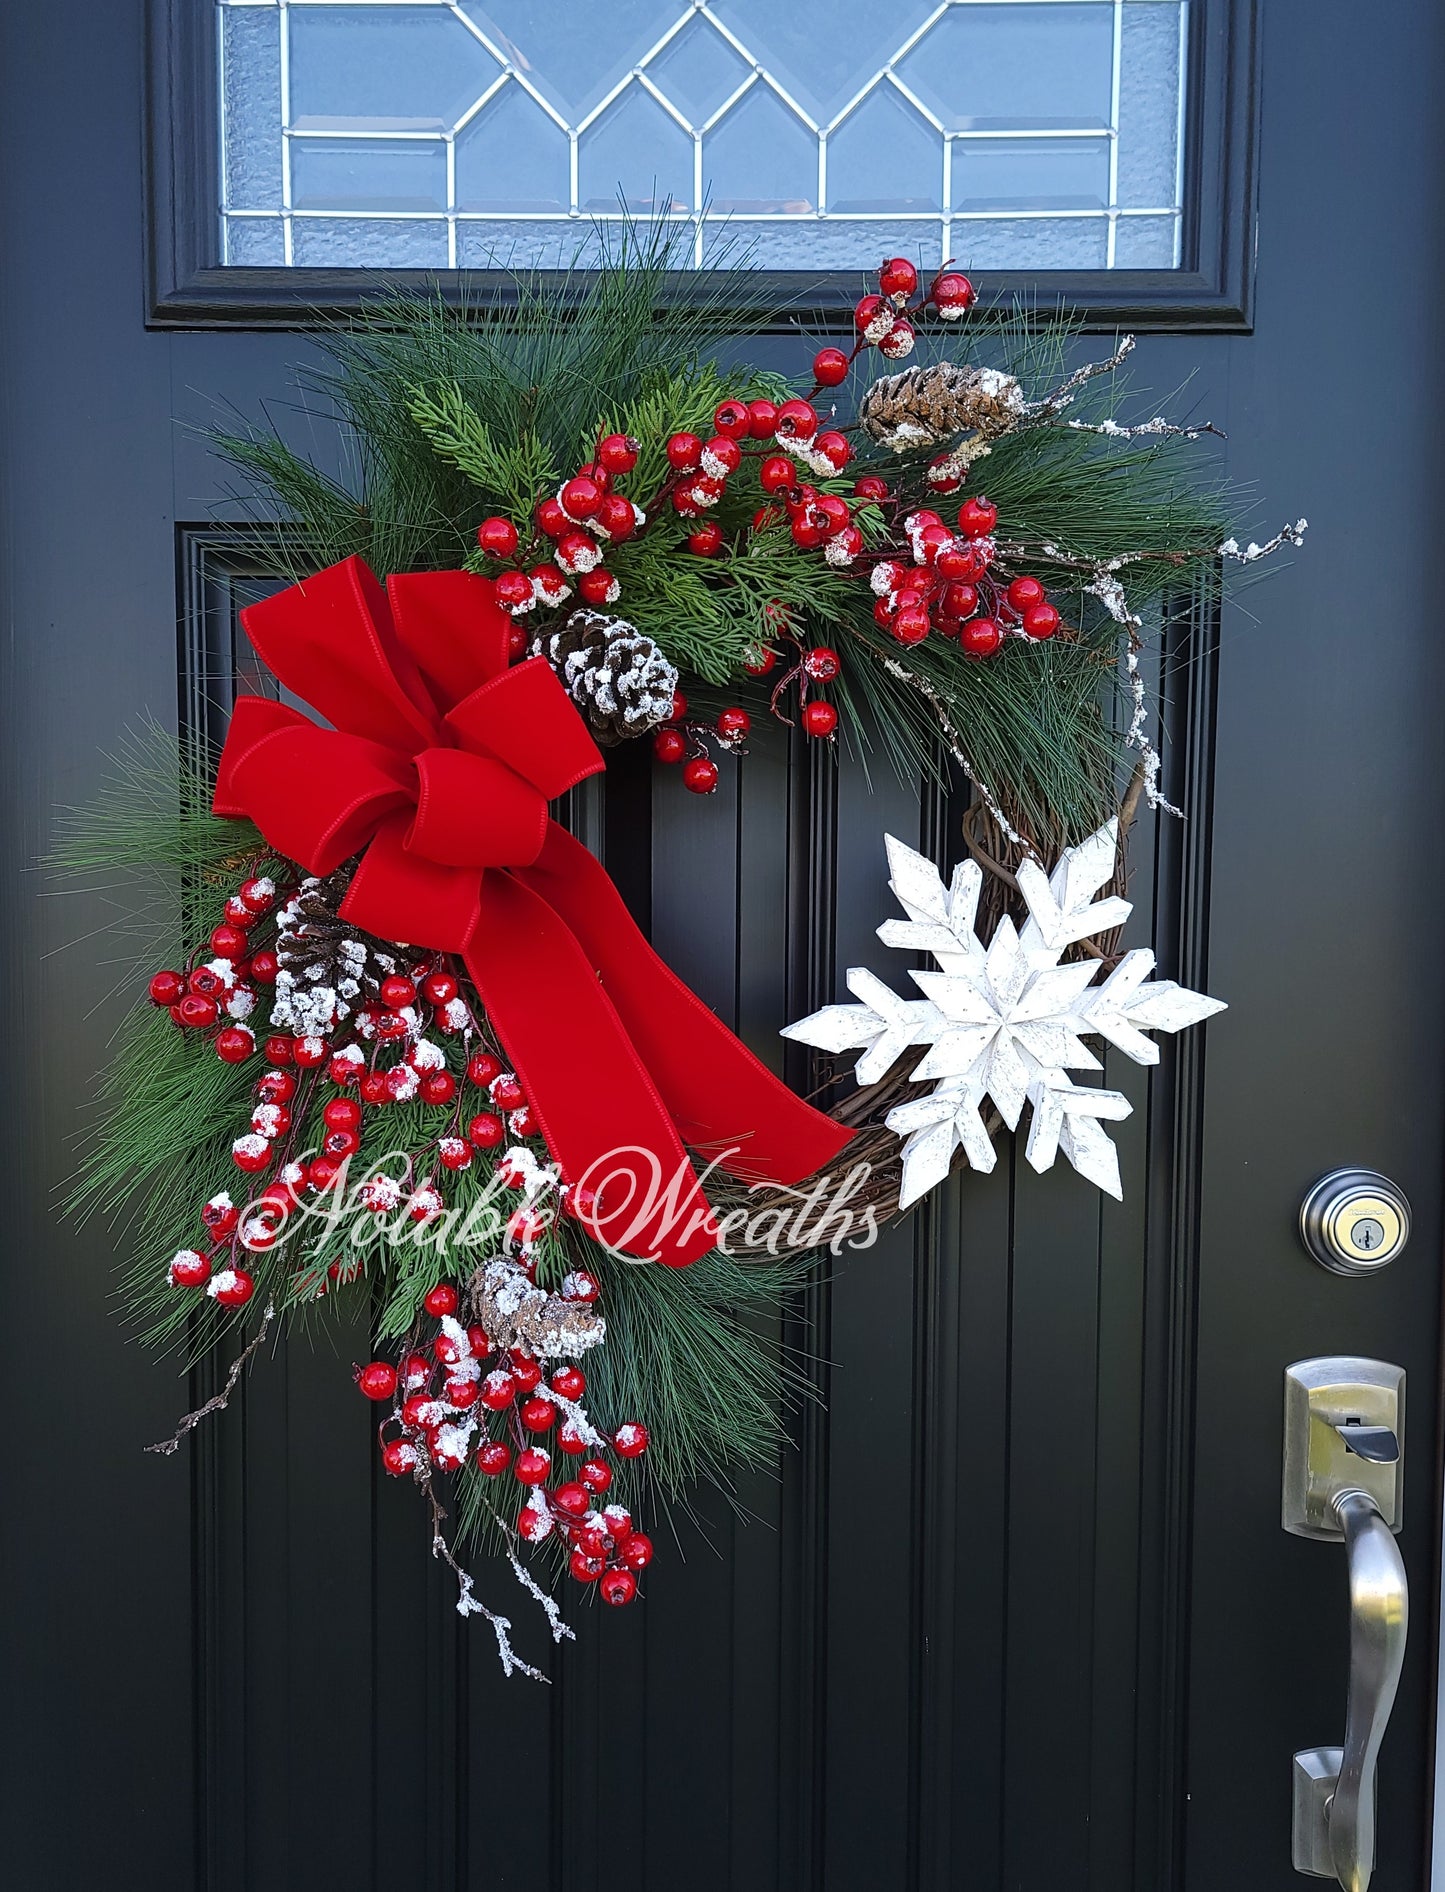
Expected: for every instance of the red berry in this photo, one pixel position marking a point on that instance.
(732, 419)
(461, 1393)
(485, 1131)
(235, 1044)
(797, 420)
(819, 719)
(397, 991)
(581, 1286)
(439, 988)
(952, 294)
(898, 277)
(631, 1439)
(493, 1457)
(980, 637)
(375, 1087)
(309, 1051)
(506, 1091)
(618, 1587)
(442, 1299)
(679, 707)
(259, 894)
(377, 1381)
(580, 497)
(910, 624)
(438, 1087)
(700, 775)
(821, 663)
(342, 1113)
(1025, 591)
(571, 1499)
(497, 537)
(593, 1539)
(482, 1067)
(498, 1391)
(733, 724)
(724, 456)
(196, 1012)
(595, 1475)
(569, 1381)
(958, 600)
(533, 1465)
(188, 1269)
(278, 1050)
(264, 967)
(834, 448)
(166, 988)
(760, 661)
(524, 1370)
(598, 587)
(398, 1456)
(238, 1290)
(959, 559)
(453, 1153)
(707, 540)
(513, 591)
(584, 1568)
(684, 452)
(977, 517)
(228, 942)
(570, 1439)
(762, 419)
(618, 452)
(1040, 621)
(637, 1551)
(898, 342)
(616, 517)
(669, 745)
(870, 487)
(830, 366)
(551, 519)
(885, 609)
(777, 473)
(220, 1217)
(867, 312)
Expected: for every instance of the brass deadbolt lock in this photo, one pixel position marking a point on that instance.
(1354, 1221)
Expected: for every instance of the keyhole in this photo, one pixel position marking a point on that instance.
(1367, 1233)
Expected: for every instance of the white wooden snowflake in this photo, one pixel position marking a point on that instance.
(1006, 1022)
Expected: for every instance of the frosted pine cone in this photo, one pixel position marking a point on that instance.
(517, 1313)
(923, 407)
(617, 676)
(325, 968)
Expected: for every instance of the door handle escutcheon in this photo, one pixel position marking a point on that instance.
(1334, 1488)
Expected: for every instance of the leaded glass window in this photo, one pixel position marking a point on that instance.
(1010, 134)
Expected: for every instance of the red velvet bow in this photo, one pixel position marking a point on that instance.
(440, 764)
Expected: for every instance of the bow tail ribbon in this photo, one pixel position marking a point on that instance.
(620, 1061)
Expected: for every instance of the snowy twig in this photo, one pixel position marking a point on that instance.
(955, 744)
(1158, 426)
(467, 1601)
(549, 1603)
(1039, 412)
(218, 1401)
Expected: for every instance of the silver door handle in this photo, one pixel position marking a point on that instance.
(1337, 1785)
(1344, 1477)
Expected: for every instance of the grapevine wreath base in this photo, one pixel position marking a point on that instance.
(563, 1188)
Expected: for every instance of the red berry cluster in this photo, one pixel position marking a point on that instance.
(379, 1054)
(468, 1400)
(585, 516)
(882, 321)
(949, 587)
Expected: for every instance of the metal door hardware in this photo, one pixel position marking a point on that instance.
(1344, 1478)
(1355, 1221)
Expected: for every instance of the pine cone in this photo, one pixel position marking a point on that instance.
(616, 676)
(517, 1313)
(325, 968)
(924, 406)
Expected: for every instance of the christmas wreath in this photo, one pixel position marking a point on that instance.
(408, 1044)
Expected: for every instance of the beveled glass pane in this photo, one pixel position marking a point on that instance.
(369, 243)
(760, 158)
(368, 174)
(1149, 104)
(251, 146)
(255, 242)
(525, 243)
(383, 68)
(1017, 68)
(1146, 243)
(824, 135)
(885, 156)
(513, 157)
(637, 153)
(698, 71)
(1031, 174)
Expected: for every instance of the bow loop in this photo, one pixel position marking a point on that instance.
(527, 720)
(473, 811)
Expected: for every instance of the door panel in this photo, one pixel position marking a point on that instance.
(1017, 1611)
